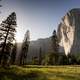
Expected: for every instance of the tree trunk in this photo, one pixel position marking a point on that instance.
(3, 55)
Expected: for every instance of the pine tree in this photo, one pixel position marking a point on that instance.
(40, 56)
(7, 32)
(13, 54)
(55, 46)
(55, 42)
(25, 46)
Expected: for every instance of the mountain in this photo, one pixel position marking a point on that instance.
(69, 32)
(45, 45)
(34, 48)
(41, 44)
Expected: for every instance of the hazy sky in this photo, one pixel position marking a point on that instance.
(41, 17)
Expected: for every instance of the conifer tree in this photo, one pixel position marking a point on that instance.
(7, 35)
(55, 42)
(13, 54)
(55, 47)
(25, 46)
(40, 56)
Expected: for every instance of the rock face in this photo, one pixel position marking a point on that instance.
(69, 32)
(35, 46)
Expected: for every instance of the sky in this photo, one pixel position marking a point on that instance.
(40, 17)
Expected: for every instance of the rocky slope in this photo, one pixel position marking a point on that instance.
(35, 46)
(69, 32)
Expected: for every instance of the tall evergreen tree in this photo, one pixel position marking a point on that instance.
(13, 54)
(25, 46)
(55, 46)
(40, 56)
(7, 32)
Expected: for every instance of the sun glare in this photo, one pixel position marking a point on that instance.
(19, 37)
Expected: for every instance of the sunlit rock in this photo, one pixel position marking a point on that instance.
(69, 32)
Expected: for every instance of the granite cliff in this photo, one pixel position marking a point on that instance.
(69, 32)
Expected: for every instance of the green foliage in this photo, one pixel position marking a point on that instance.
(55, 44)
(77, 58)
(7, 32)
(25, 47)
(64, 60)
(51, 59)
(40, 56)
(35, 61)
(13, 54)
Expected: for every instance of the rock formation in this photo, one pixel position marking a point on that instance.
(34, 48)
(69, 32)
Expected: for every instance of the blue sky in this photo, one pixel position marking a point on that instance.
(41, 17)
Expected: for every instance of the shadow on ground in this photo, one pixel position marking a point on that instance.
(33, 75)
(40, 73)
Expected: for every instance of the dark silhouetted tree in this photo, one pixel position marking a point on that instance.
(7, 32)
(55, 47)
(25, 46)
(13, 54)
(40, 56)
(35, 60)
(49, 59)
(55, 44)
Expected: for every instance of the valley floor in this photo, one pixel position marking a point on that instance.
(34, 72)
